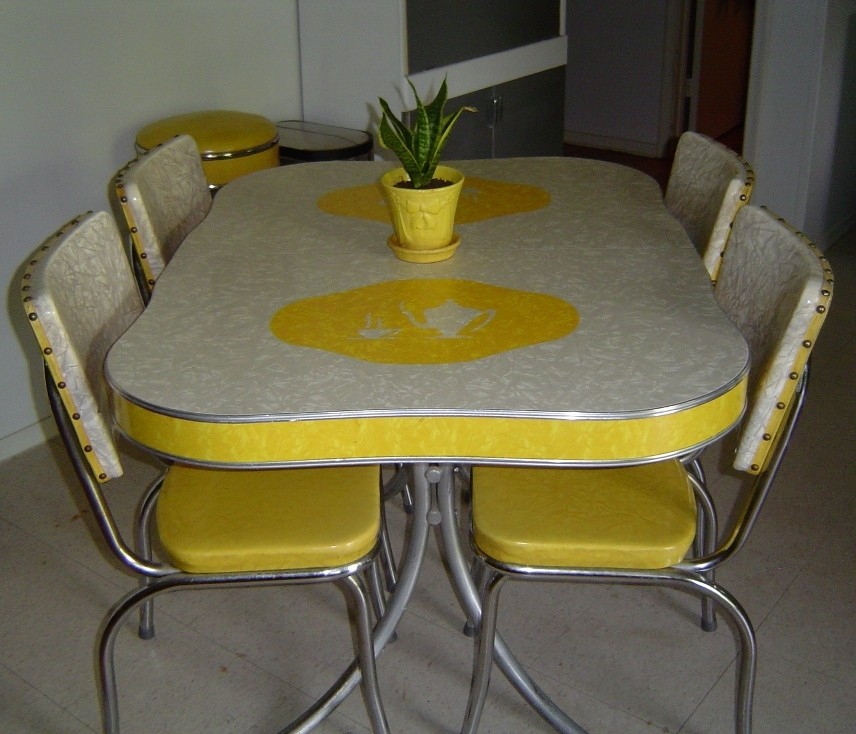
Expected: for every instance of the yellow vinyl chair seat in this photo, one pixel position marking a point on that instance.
(633, 517)
(215, 521)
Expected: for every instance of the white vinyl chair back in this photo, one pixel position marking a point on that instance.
(163, 194)
(776, 287)
(75, 326)
(707, 185)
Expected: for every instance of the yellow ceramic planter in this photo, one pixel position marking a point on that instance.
(423, 219)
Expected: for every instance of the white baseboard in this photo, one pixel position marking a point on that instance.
(27, 438)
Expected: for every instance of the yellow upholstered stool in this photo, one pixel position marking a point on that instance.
(231, 144)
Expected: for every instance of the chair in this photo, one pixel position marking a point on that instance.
(216, 528)
(163, 195)
(634, 525)
(708, 184)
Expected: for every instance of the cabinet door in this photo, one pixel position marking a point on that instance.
(531, 115)
(471, 137)
(523, 117)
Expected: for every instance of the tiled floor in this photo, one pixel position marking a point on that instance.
(622, 660)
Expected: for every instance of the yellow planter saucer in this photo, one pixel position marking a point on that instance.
(433, 255)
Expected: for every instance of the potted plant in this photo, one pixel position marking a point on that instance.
(422, 195)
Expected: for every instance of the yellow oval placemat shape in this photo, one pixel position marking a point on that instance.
(424, 321)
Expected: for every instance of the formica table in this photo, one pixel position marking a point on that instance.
(575, 325)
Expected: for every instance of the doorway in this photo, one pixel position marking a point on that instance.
(719, 60)
(705, 48)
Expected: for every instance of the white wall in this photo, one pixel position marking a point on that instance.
(831, 196)
(801, 113)
(353, 52)
(78, 78)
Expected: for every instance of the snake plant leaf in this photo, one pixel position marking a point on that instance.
(434, 109)
(418, 148)
(422, 141)
(442, 138)
(400, 128)
(390, 138)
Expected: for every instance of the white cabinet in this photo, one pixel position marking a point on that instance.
(505, 57)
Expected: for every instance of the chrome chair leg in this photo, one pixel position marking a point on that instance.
(483, 650)
(397, 485)
(748, 646)
(479, 573)
(705, 541)
(376, 595)
(468, 597)
(378, 600)
(411, 563)
(387, 557)
(107, 644)
(354, 586)
(145, 516)
(687, 581)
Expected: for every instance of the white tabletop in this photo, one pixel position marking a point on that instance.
(632, 357)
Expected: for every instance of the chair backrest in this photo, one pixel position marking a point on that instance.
(163, 194)
(776, 286)
(707, 185)
(80, 295)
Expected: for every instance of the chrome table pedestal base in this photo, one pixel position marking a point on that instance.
(433, 494)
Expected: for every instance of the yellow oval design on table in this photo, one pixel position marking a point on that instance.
(481, 198)
(424, 321)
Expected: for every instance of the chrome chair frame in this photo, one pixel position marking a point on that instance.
(163, 577)
(689, 576)
(789, 301)
(72, 392)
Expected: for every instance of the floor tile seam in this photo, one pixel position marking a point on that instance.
(250, 659)
(284, 686)
(68, 710)
(794, 661)
(758, 624)
(286, 700)
(588, 694)
(303, 687)
(299, 690)
(343, 661)
(412, 614)
(723, 631)
(533, 667)
(62, 551)
(729, 669)
(10, 623)
(457, 627)
(30, 684)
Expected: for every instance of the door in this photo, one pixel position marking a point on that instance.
(724, 41)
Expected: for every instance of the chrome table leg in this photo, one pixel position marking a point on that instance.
(469, 600)
(413, 556)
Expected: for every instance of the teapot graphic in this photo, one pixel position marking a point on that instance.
(374, 329)
(451, 319)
